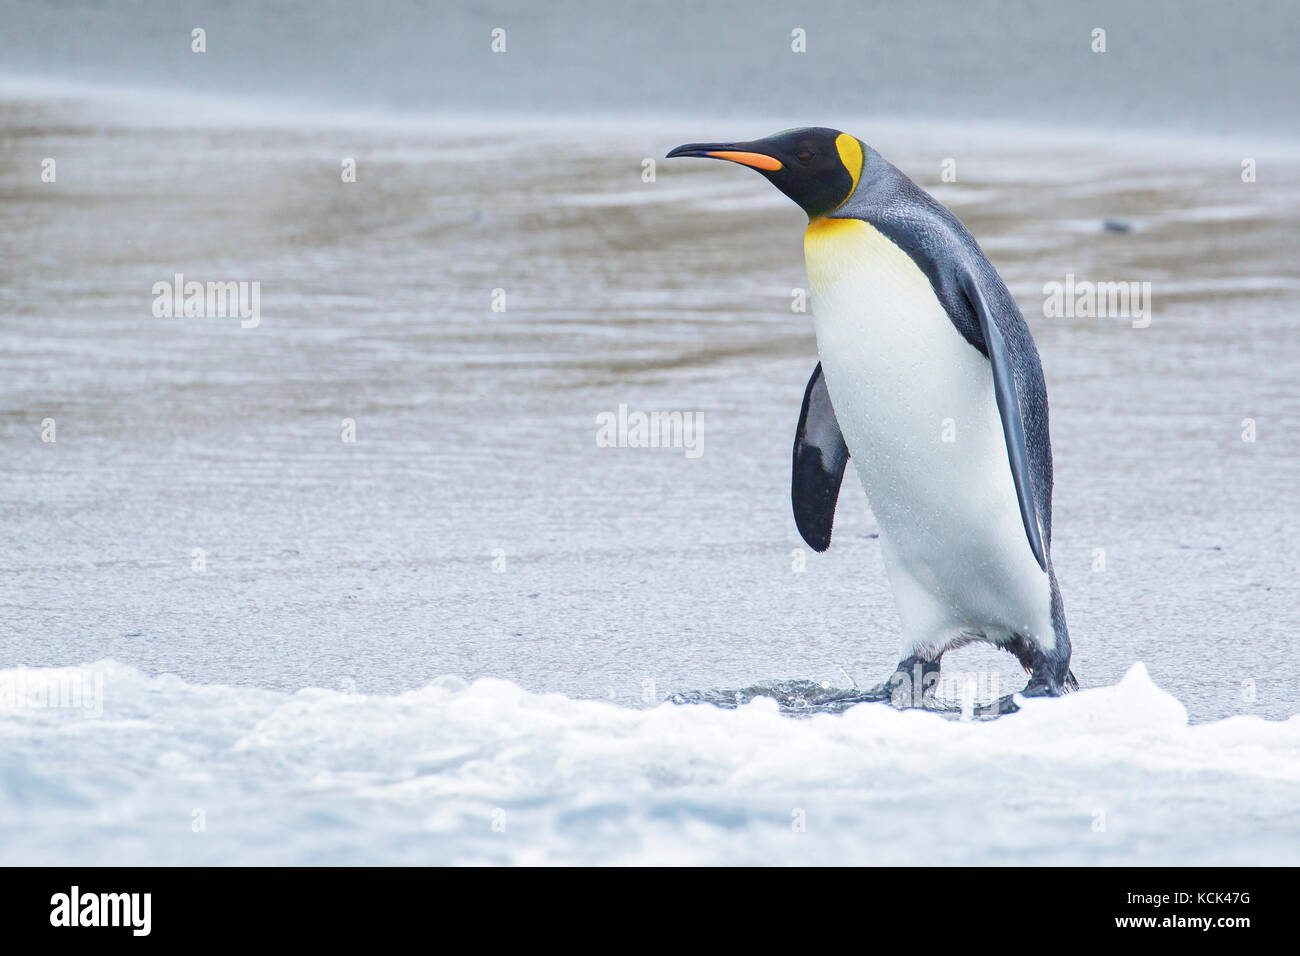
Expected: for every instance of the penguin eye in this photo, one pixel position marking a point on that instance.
(803, 155)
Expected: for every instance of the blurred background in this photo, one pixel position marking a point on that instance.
(1202, 67)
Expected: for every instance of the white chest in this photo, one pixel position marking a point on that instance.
(916, 405)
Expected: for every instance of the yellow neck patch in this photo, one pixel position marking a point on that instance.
(850, 151)
(832, 248)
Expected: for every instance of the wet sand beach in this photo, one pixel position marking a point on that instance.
(474, 527)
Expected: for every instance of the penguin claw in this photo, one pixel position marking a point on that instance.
(881, 693)
(1008, 704)
(998, 708)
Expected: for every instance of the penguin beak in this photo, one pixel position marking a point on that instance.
(747, 154)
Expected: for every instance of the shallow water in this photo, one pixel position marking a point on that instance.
(475, 528)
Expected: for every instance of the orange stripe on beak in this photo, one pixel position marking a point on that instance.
(757, 160)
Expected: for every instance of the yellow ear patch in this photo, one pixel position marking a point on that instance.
(850, 151)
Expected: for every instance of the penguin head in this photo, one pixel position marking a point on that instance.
(818, 168)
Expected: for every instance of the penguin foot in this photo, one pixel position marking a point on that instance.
(1049, 673)
(1038, 686)
(910, 686)
(1042, 688)
(876, 695)
(998, 708)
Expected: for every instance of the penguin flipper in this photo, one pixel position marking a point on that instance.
(820, 455)
(1013, 427)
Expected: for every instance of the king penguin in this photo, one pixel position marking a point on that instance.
(930, 381)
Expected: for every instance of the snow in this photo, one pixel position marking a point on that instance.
(169, 772)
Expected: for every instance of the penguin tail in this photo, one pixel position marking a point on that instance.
(1071, 682)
